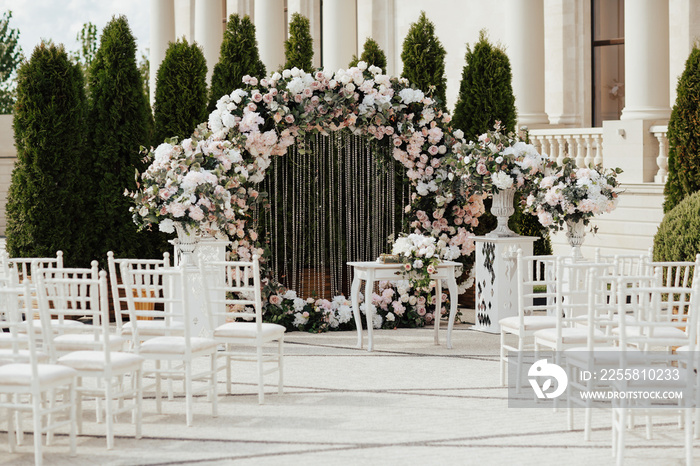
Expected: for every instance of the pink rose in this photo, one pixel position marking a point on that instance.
(275, 299)
(481, 169)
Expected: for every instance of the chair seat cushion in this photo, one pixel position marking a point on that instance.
(6, 340)
(569, 335)
(84, 342)
(55, 323)
(154, 328)
(95, 360)
(603, 355)
(658, 332)
(21, 374)
(249, 330)
(7, 356)
(176, 345)
(531, 323)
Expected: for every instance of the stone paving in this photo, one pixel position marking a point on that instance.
(408, 402)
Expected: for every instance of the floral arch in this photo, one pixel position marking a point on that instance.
(210, 181)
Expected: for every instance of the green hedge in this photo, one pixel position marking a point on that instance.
(46, 200)
(678, 237)
(299, 48)
(181, 91)
(372, 54)
(423, 59)
(239, 57)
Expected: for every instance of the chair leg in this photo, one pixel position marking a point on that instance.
(280, 365)
(137, 383)
(11, 434)
(214, 397)
(36, 421)
(261, 384)
(503, 359)
(73, 396)
(188, 393)
(228, 370)
(109, 417)
(159, 403)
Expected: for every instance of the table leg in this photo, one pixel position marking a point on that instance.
(454, 296)
(438, 309)
(355, 299)
(369, 308)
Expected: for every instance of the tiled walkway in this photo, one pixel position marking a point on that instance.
(408, 402)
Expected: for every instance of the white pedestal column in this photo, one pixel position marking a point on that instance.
(162, 32)
(208, 250)
(339, 33)
(209, 31)
(646, 60)
(496, 279)
(525, 38)
(269, 29)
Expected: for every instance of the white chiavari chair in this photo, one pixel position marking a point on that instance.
(234, 304)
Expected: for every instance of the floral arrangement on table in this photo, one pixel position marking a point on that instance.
(265, 117)
(421, 255)
(189, 183)
(498, 161)
(574, 194)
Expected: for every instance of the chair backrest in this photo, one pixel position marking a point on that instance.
(119, 301)
(537, 284)
(676, 277)
(22, 266)
(625, 264)
(159, 285)
(18, 342)
(233, 291)
(65, 294)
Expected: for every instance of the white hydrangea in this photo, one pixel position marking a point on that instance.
(501, 180)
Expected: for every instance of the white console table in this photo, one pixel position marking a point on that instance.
(372, 272)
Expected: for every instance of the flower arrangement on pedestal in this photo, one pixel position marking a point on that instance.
(498, 165)
(571, 196)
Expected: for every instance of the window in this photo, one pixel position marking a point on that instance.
(608, 67)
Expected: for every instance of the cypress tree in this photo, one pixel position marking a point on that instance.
(239, 57)
(120, 124)
(485, 92)
(299, 48)
(372, 54)
(423, 59)
(181, 91)
(45, 209)
(684, 136)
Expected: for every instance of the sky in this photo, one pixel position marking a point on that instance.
(62, 20)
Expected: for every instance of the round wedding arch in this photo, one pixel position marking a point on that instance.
(210, 180)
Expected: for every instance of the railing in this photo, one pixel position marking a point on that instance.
(659, 133)
(584, 145)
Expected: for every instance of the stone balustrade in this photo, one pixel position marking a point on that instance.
(659, 132)
(584, 145)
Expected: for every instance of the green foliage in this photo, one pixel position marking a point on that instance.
(299, 48)
(684, 136)
(423, 59)
(145, 72)
(239, 57)
(10, 58)
(678, 237)
(485, 93)
(181, 91)
(120, 123)
(45, 208)
(372, 54)
(526, 224)
(87, 37)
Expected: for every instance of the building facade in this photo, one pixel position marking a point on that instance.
(594, 79)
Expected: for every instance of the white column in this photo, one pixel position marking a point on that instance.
(269, 29)
(209, 31)
(339, 33)
(524, 25)
(162, 32)
(646, 60)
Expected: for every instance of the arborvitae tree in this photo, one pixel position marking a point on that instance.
(372, 54)
(423, 59)
(299, 48)
(120, 124)
(485, 93)
(684, 136)
(181, 91)
(10, 58)
(239, 57)
(45, 210)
